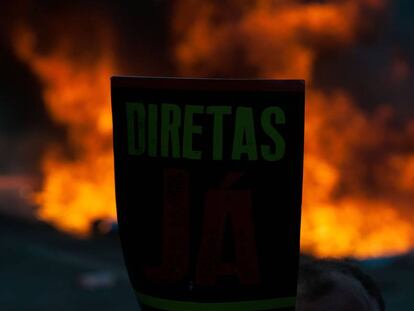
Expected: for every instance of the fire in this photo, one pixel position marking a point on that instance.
(358, 181)
(358, 171)
(78, 184)
(359, 168)
(279, 36)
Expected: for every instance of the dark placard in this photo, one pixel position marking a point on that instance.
(208, 177)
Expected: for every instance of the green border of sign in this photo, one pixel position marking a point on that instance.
(251, 305)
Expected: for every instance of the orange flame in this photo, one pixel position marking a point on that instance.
(359, 170)
(77, 189)
(352, 207)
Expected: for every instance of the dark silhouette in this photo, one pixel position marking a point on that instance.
(333, 285)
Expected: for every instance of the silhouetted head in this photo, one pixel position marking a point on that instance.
(333, 285)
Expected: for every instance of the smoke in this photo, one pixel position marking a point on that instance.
(378, 70)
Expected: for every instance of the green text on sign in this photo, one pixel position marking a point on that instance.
(170, 130)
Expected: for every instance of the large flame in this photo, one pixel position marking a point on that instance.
(358, 181)
(359, 174)
(359, 170)
(78, 183)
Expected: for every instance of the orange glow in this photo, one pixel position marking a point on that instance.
(79, 188)
(359, 170)
(280, 34)
(344, 213)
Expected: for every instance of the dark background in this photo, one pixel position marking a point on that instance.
(43, 269)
